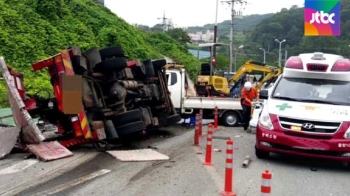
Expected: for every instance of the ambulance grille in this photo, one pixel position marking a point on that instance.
(318, 126)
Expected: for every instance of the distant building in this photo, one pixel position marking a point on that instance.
(200, 37)
(101, 2)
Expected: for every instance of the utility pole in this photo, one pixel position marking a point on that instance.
(164, 22)
(279, 53)
(264, 54)
(285, 56)
(233, 13)
(216, 22)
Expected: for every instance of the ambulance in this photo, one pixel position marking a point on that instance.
(307, 111)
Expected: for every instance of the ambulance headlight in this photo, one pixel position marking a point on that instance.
(347, 134)
(265, 120)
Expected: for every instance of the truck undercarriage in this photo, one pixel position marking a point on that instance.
(98, 96)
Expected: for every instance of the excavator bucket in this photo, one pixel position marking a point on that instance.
(26, 128)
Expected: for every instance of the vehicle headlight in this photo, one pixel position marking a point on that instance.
(347, 134)
(265, 120)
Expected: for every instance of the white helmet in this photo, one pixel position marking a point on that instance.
(248, 86)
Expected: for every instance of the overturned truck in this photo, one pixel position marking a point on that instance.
(97, 96)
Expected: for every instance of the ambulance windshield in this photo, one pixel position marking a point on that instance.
(313, 90)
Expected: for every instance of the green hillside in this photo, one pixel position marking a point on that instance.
(289, 24)
(31, 30)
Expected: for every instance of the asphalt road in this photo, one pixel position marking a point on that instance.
(184, 174)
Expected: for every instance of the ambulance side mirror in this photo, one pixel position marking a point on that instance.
(264, 94)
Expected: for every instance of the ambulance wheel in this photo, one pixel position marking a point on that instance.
(261, 154)
(347, 165)
(230, 119)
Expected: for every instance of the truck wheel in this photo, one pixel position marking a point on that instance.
(261, 154)
(157, 64)
(230, 119)
(173, 119)
(93, 57)
(114, 64)
(127, 117)
(115, 51)
(140, 70)
(149, 68)
(131, 128)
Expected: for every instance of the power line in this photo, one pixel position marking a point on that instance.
(233, 14)
(164, 23)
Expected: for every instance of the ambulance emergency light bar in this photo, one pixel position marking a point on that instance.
(340, 65)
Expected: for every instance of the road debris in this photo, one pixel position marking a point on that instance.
(152, 147)
(217, 150)
(246, 161)
(138, 155)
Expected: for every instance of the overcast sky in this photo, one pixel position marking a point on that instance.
(189, 12)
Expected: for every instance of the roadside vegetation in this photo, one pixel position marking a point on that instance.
(31, 30)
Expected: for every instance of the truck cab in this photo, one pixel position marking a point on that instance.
(187, 102)
(307, 110)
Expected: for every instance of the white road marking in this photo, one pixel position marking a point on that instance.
(18, 166)
(73, 183)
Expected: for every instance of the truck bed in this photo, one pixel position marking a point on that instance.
(211, 102)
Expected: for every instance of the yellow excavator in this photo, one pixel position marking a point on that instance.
(236, 82)
(209, 84)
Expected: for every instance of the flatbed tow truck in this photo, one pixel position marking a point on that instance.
(230, 109)
(98, 97)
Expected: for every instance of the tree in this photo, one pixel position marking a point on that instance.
(180, 35)
(143, 27)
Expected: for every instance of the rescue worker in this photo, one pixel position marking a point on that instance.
(248, 93)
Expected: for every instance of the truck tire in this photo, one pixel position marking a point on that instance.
(149, 68)
(115, 64)
(115, 51)
(260, 154)
(131, 128)
(173, 119)
(230, 119)
(93, 57)
(140, 70)
(127, 117)
(157, 64)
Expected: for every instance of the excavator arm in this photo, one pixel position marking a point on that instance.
(249, 67)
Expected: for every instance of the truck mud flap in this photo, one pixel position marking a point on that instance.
(8, 139)
(30, 133)
(48, 151)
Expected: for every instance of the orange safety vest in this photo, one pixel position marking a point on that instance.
(253, 93)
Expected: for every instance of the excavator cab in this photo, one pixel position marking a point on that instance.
(208, 83)
(237, 81)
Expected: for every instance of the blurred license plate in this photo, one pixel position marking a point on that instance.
(295, 128)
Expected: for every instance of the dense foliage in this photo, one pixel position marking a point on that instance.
(289, 24)
(31, 30)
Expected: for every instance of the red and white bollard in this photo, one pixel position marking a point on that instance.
(196, 131)
(209, 148)
(216, 117)
(228, 191)
(201, 122)
(266, 183)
